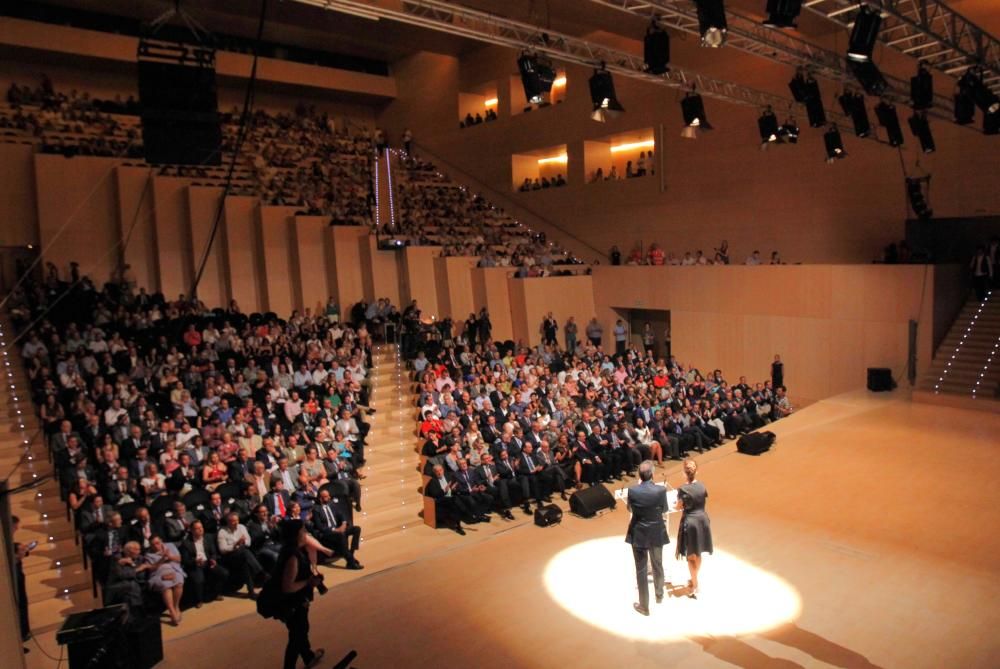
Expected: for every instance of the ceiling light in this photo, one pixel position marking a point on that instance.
(864, 34)
(562, 158)
(918, 200)
(834, 145)
(985, 99)
(693, 111)
(602, 95)
(633, 146)
(537, 76)
(789, 131)
(782, 13)
(869, 76)
(922, 88)
(853, 105)
(656, 49)
(887, 118)
(921, 129)
(712, 22)
(767, 125)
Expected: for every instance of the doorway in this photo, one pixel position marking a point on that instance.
(659, 320)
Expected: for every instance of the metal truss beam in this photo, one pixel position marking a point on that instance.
(749, 35)
(927, 30)
(481, 26)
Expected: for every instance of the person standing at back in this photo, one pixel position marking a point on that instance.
(647, 533)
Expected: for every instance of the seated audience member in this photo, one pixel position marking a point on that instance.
(202, 563)
(334, 530)
(166, 576)
(234, 547)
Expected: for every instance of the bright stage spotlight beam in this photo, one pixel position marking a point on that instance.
(736, 596)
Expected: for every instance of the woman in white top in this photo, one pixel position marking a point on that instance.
(645, 438)
(153, 483)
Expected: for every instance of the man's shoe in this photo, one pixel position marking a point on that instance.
(507, 514)
(355, 565)
(317, 656)
(485, 518)
(526, 508)
(563, 495)
(459, 530)
(639, 609)
(659, 599)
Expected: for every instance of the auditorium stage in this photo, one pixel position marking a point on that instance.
(866, 538)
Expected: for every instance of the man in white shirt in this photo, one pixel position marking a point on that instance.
(293, 407)
(753, 258)
(234, 545)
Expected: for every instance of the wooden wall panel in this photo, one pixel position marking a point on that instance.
(419, 282)
(18, 201)
(491, 290)
(135, 204)
(246, 262)
(82, 192)
(346, 243)
(173, 236)
(276, 239)
(203, 208)
(311, 239)
(385, 269)
(563, 296)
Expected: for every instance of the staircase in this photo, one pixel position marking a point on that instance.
(57, 581)
(390, 494)
(966, 367)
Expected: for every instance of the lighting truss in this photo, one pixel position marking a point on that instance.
(927, 30)
(751, 36)
(481, 26)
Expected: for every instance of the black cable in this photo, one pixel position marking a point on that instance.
(248, 100)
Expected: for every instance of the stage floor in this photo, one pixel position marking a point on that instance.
(866, 538)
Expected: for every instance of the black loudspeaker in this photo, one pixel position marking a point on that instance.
(880, 379)
(111, 638)
(589, 501)
(180, 113)
(547, 515)
(755, 443)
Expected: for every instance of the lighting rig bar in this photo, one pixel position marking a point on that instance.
(751, 36)
(501, 31)
(927, 30)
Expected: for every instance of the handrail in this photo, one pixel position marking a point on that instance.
(499, 198)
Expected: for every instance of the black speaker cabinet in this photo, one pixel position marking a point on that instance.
(111, 638)
(547, 515)
(880, 379)
(589, 501)
(755, 443)
(180, 117)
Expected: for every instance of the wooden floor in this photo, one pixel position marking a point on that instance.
(879, 514)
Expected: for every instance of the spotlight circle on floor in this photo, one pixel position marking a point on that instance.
(736, 596)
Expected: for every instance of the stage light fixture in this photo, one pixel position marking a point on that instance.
(693, 110)
(921, 129)
(767, 124)
(602, 95)
(805, 89)
(985, 99)
(965, 106)
(782, 13)
(887, 118)
(869, 76)
(537, 76)
(853, 105)
(834, 145)
(656, 49)
(789, 131)
(991, 123)
(915, 193)
(712, 23)
(864, 34)
(922, 88)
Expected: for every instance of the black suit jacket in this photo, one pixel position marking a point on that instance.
(189, 555)
(269, 500)
(648, 503)
(320, 520)
(434, 489)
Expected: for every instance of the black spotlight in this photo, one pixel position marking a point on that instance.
(805, 89)
(537, 76)
(965, 106)
(853, 105)
(602, 94)
(767, 124)
(864, 34)
(921, 129)
(991, 124)
(693, 111)
(712, 22)
(985, 99)
(922, 89)
(869, 76)
(918, 199)
(886, 114)
(834, 145)
(656, 49)
(782, 13)
(789, 131)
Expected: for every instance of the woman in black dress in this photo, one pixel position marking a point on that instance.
(298, 579)
(695, 534)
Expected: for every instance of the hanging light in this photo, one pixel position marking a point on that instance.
(602, 95)
(656, 49)
(921, 129)
(712, 23)
(853, 105)
(887, 118)
(693, 111)
(767, 125)
(537, 76)
(864, 34)
(782, 13)
(834, 145)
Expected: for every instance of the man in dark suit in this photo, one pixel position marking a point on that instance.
(278, 500)
(450, 509)
(214, 515)
(529, 470)
(487, 479)
(647, 533)
(333, 530)
(176, 526)
(468, 485)
(201, 562)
